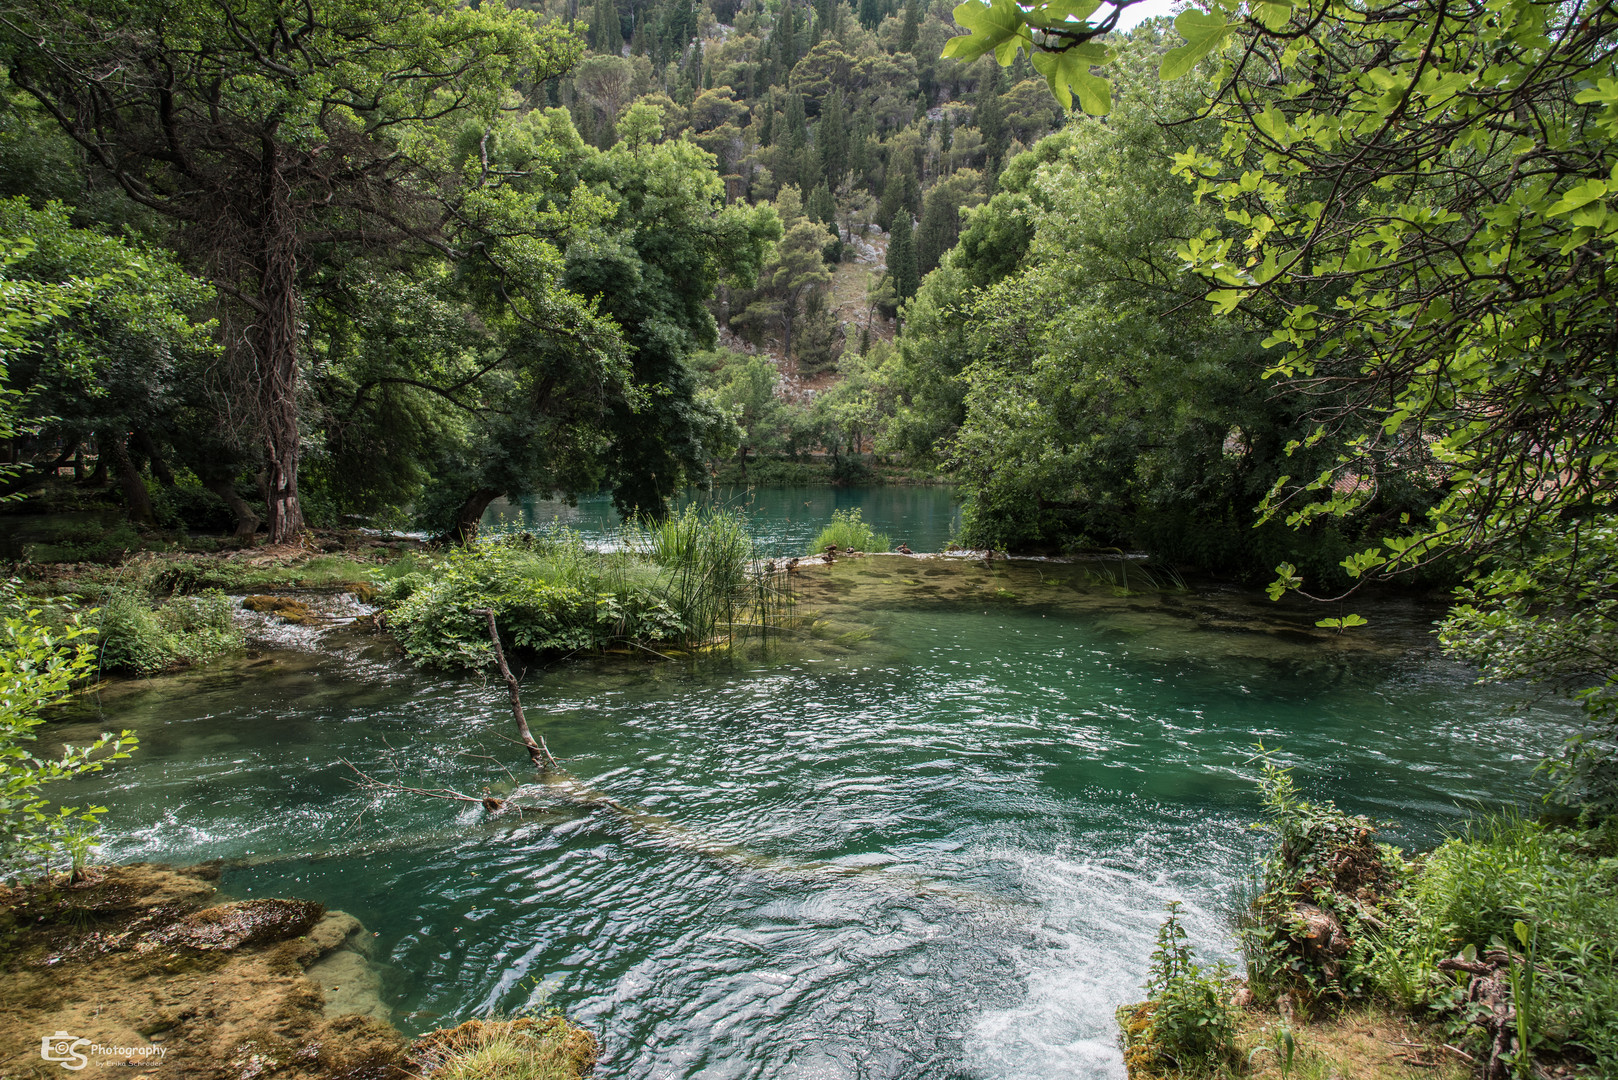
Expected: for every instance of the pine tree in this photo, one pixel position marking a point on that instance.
(902, 258)
(870, 14)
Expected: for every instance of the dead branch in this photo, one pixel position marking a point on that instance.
(537, 751)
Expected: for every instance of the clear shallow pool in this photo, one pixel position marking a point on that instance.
(953, 837)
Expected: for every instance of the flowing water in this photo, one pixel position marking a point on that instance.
(930, 836)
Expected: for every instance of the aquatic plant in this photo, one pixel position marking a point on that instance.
(545, 1047)
(848, 530)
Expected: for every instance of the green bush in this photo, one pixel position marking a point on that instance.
(86, 541)
(1507, 884)
(683, 580)
(1325, 863)
(142, 638)
(848, 530)
(1187, 1025)
(44, 650)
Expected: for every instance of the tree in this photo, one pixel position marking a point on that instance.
(116, 363)
(268, 133)
(797, 270)
(673, 239)
(902, 257)
(940, 224)
(1422, 207)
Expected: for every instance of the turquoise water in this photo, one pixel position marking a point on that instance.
(787, 519)
(939, 850)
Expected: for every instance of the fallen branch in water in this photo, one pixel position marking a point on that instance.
(367, 782)
(538, 752)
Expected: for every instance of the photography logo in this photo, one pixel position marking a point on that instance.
(66, 1050)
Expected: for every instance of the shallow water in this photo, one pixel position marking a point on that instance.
(785, 519)
(951, 810)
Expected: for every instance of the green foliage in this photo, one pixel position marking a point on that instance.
(683, 580)
(1549, 615)
(1324, 880)
(1542, 900)
(43, 651)
(141, 637)
(1191, 1029)
(848, 530)
(85, 541)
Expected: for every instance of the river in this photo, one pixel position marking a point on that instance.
(954, 811)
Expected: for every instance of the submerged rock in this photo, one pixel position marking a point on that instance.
(231, 926)
(141, 962)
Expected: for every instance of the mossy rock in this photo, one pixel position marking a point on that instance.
(231, 926)
(285, 608)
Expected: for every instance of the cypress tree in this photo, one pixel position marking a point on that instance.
(937, 232)
(870, 14)
(796, 122)
(902, 258)
(821, 206)
(832, 138)
(910, 29)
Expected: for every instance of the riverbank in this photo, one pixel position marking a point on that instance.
(1492, 955)
(148, 967)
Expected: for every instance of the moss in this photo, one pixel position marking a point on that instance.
(283, 607)
(527, 1048)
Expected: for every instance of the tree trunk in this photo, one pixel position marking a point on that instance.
(137, 503)
(273, 338)
(247, 522)
(464, 529)
(154, 457)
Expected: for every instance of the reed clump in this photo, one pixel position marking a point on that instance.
(686, 581)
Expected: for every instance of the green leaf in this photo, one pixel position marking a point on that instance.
(1341, 624)
(1071, 13)
(1577, 196)
(1203, 33)
(1272, 14)
(1520, 928)
(1068, 71)
(995, 27)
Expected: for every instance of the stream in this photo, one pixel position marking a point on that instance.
(959, 801)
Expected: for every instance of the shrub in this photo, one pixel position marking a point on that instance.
(44, 650)
(86, 541)
(142, 638)
(1507, 886)
(684, 580)
(1325, 879)
(1187, 1025)
(848, 530)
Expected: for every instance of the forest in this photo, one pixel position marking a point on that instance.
(1308, 297)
